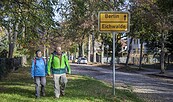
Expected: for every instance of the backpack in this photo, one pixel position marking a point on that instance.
(35, 61)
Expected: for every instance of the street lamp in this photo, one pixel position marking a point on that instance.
(107, 47)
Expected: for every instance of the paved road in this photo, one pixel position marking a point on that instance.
(149, 88)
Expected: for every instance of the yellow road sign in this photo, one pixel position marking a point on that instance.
(112, 21)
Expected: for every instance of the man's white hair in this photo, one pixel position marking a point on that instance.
(58, 48)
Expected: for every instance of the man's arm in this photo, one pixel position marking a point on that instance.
(49, 65)
(67, 64)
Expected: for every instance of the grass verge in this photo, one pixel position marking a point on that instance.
(19, 87)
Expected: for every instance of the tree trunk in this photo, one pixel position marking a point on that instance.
(83, 52)
(93, 45)
(11, 48)
(141, 50)
(80, 50)
(102, 52)
(47, 53)
(89, 40)
(12, 39)
(129, 50)
(93, 40)
(9, 39)
(44, 50)
(162, 60)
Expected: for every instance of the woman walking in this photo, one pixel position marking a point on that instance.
(38, 72)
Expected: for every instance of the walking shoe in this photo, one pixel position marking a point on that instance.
(56, 97)
(62, 93)
(43, 94)
(37, 97)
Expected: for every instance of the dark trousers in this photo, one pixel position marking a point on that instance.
(39, 81)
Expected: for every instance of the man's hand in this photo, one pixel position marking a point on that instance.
(68, 73)
(50, 75)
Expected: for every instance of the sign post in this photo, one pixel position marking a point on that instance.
(115, 22)
(113, 61)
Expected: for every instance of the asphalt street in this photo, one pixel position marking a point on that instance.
(149, 88)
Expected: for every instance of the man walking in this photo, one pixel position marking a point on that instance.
(59, 65)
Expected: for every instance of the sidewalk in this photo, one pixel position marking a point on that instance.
(154, 72)
(144, 71)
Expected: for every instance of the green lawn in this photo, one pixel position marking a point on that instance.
(19, 87)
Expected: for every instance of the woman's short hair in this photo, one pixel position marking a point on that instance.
(36, 52)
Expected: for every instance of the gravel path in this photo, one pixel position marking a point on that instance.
(150, 89)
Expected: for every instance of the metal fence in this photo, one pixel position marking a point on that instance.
(135, 60)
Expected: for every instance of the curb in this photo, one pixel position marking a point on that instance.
(162, 75)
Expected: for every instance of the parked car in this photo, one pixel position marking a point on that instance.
(82, 60)
(75, 60)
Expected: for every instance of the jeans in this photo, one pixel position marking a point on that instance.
(40, 80)
(60, 81)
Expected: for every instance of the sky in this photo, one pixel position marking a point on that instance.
(57, 15)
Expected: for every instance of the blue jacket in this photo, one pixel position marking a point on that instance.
(38, 67)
